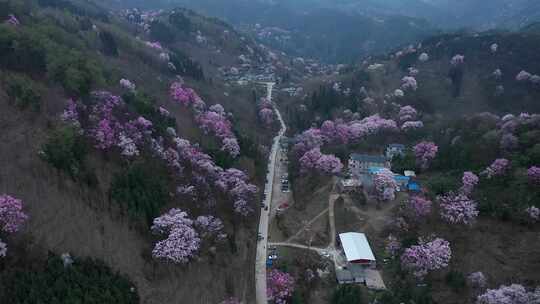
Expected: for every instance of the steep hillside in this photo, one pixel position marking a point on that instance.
(96, 114)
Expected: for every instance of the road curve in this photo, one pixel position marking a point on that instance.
(260, 260)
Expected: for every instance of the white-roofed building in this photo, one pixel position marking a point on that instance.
(357, 249)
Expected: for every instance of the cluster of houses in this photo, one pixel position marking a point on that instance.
(363, 167)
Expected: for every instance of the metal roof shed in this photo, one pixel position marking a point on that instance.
(356, 247)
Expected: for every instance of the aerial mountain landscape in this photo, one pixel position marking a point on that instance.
(270, 151)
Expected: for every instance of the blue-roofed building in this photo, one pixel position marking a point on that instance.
(413, 186)
(360, 163)
(402, 181)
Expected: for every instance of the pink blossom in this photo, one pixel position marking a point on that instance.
(469, 181)
(457, 208)
(11, 215)
(385, 184)
(280, 286)
(412, 125)
(315, 160)
(499, 167)
(523, 76)
(409, 83)
(128, 146)
(494, 47)
(125, 83)
(230, 145)
(184, 96)
(426, 256)
(419, 206)
(267, 116)
(309, 139)
(407, 113)
(423, 57)
(164, 112)
(12, 20)
(210, 226)
(513, 294)
(534, 175)
(425, 152)
(182, 240)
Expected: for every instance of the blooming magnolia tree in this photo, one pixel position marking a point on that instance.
(409, 83)
(426, 257)
(534, 175)
(182, 241)
(280, 286)
(469, 181)
(457, 60)
(425, 152)
(457, 208)
(12, 218)
(125, 83)
(499, 167)
(266, 112)
(418, 207)
(407, 113)
(385, 185)
(315, 160)
(512, 294)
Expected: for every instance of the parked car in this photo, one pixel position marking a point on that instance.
(272, 257)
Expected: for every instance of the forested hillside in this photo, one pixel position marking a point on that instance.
(119, 138)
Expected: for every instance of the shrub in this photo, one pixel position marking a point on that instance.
(456, 280)
(141, 189)
(110, 47)
(66, 150)
(22, 51)
(74, 71)
(161, 32)
(347, 294)
(85, 281)
(144, 105)
(22, 92)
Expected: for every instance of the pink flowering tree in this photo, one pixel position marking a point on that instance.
(127, 84)
(499, 167)
(182, 241)
(427, 256)
(534, 175)
(12, 20)
(266, 112)
(457, 208)
(315, 160)
(279, 286)
(418, 207)
(425, 152)
(469, 181)
(409, 83)
(407, 113)
(309, 139)
(12, 216)
(512, 294)
(457, 60)
(183, 95)
(210, 227)
(385, 185)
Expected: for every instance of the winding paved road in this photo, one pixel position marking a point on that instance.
(260, 261)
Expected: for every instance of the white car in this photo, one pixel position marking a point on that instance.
(272, 257)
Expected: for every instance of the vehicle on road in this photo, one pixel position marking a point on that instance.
(273, 257)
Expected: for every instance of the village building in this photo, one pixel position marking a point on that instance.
(360, 163)
(360, 262)
(348, 185)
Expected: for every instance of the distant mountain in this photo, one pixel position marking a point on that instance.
(312, 28)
